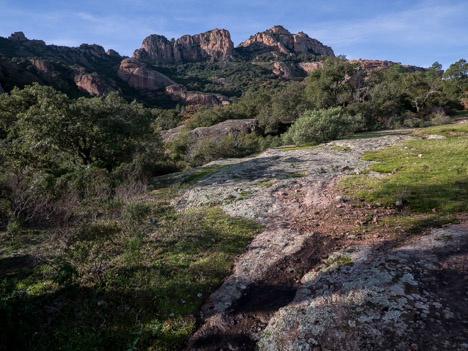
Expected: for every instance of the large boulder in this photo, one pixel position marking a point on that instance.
(214, 45)
(139, 76)
(93, 84)
(220, 130)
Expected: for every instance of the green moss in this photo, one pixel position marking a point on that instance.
(297, 175)
(339, 148)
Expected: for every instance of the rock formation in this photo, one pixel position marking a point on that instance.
(214, 45)
(93, 84)
(223, 129)
(279, 41)
(139, 76)
(179, 93)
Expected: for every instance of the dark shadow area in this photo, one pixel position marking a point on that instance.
(446, 282)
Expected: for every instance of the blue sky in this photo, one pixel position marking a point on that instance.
(411, 32)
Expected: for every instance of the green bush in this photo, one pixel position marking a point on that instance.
(320, 126)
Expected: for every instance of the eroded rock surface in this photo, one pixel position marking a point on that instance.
(314, 286)
(363, 299)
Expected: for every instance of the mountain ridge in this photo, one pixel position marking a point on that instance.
(204, 69)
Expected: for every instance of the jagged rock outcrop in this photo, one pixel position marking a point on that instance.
(214, 45)
(93, 84)
(87, 68)
(179, 93)
(139, 76)
(17, 36)
(279, 41)
(113, 53)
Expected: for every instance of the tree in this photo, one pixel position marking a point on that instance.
(285, 107)
(44, 126)
(456, 80)
(334, 84)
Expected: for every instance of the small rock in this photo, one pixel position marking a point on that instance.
(341, 198)
(420, 155)
(435, 136)
(414, 347)
(399, 203)
(199, 295)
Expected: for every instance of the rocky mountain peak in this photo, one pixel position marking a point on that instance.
(18, 36)
(279, 41)
(214, 45)
(278, 30)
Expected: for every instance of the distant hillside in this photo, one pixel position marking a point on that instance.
(202, 69)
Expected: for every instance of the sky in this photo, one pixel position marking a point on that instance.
(417, 32)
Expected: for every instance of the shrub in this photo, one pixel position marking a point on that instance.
(439, 117)
(320, 126)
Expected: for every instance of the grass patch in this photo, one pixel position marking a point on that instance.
(415, 223)
(202, 173)
(134, 280)
(266, 184)
(297, 175)
(428, 175)
(450, 130)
